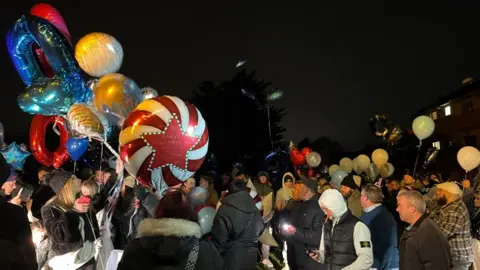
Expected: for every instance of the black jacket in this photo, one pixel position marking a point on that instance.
(341, 251)
(39, 198)
(16, 247)
(307, 218)
(165, 244)
(63, 228)
(235, 231)
(424, 247)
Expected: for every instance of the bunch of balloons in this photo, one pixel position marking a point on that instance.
(382, 128)
(306, 155)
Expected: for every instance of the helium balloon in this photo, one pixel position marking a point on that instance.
(198, 196)
(52, 15)
(337, 178)
(430, 157)
(380, 157)
(314, 159)
(333, 169)
(423, 126)
(206, 216)
(149, 93)
(15, 156)
(37, 141)
(84, 122)
(99, 54)
(355, 166)
(297, 157)
(2, 134)
(76, 148)
(386, 170)
(372, 171)
(379, 125)
(306, 150)
(45, 97)
(363, 162)
(163, 141)
(346, 165)
(469, 158)
(396, 134)
(115, 96)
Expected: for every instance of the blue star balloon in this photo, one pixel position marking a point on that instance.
(15, 156)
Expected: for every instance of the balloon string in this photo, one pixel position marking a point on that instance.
(416, 159)
(74, 167)
(55, 129)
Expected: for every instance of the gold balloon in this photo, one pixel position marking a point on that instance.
(99, 54)
(84, 121)
(108, 91)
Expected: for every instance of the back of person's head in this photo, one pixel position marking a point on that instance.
(415, 199)
(91, 185)
(236, 185)
(373, 193)
(175, 204)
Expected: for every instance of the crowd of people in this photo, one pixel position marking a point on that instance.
(396, 223)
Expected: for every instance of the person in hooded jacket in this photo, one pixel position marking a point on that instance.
(345, 243)
(265, 191)
(236, 228)
(282, 199)
(171, 240)
(16, 246)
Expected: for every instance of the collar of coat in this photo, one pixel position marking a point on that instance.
(169, 227)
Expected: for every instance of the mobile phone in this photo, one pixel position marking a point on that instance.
(84, 200)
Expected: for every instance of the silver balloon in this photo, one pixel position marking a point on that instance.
(149, 92)
(314, 159)
(205, 219)
(198, 196)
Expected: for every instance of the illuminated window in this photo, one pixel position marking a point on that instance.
(448, 110)
(436, 144)
(433, 115)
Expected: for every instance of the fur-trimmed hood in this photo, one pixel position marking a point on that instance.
(169, 227)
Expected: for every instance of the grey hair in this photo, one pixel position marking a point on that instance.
(416, 199)
(373, 193)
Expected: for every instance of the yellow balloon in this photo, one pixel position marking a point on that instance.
(99, 54)
(84, 121)
(108, 91)
(423, 126)
(333, 169)
(380, 157)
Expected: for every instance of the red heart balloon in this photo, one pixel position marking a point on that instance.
(306, 151)
(296, 157)
(38, 129)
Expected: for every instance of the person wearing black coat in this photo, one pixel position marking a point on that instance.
(171, 240)
(16, 246)
(236, 228)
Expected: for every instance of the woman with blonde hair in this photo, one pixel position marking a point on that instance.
(70, 224)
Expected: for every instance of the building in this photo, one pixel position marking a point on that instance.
(456, 116)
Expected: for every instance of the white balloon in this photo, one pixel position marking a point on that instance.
(346, 165)
(372, 171)
(469, 158)
(380, 157)
(391, 169)
(363, 162)
(355, 166)
(314, 159)
(333, 169)
(423, 126)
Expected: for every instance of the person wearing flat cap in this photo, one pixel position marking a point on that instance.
(350, 190)
(453, 219)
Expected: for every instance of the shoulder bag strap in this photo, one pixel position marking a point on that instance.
(193, 256)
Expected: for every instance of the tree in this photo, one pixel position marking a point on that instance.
(238, 120)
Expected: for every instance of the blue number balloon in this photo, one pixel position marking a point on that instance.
(35, 30)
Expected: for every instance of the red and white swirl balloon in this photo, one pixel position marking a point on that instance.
(163, 142)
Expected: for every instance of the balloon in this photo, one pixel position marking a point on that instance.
(372, 171)
(35, 30)
(380, 157)
(84, 122)
(277, 162)
(333, 169)
(2, 134)
(52, 15)
(115, 96)
(469, 158)
(395, 135)
(296, 157)
(346, 165)
(430, 156)
(45, 97)
(363, 162)
(148, 93)
(77, 147)
(337, 178)
(205, 218)
(314, 159)
(15, 156)
(379, 125)
(99, 54)
(306, 151)
(423, 126)
(387, 170)
(163, 141)
(198, 196)
(355, 166)
(37, 141)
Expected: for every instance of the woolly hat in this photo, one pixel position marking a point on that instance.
(58, 179)
(349, 181)
(450, 187)
(309, 183)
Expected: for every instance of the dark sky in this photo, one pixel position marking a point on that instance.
(337, 61)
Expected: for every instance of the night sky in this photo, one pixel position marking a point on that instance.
(338, 62)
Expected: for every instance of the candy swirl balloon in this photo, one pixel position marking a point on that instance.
(163, 142)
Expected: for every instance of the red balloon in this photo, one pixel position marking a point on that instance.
(306, 151)
(38, 129)
(296, 157)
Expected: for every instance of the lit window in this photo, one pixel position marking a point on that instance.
(433, 115)
(448, 110)
(436, 144)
